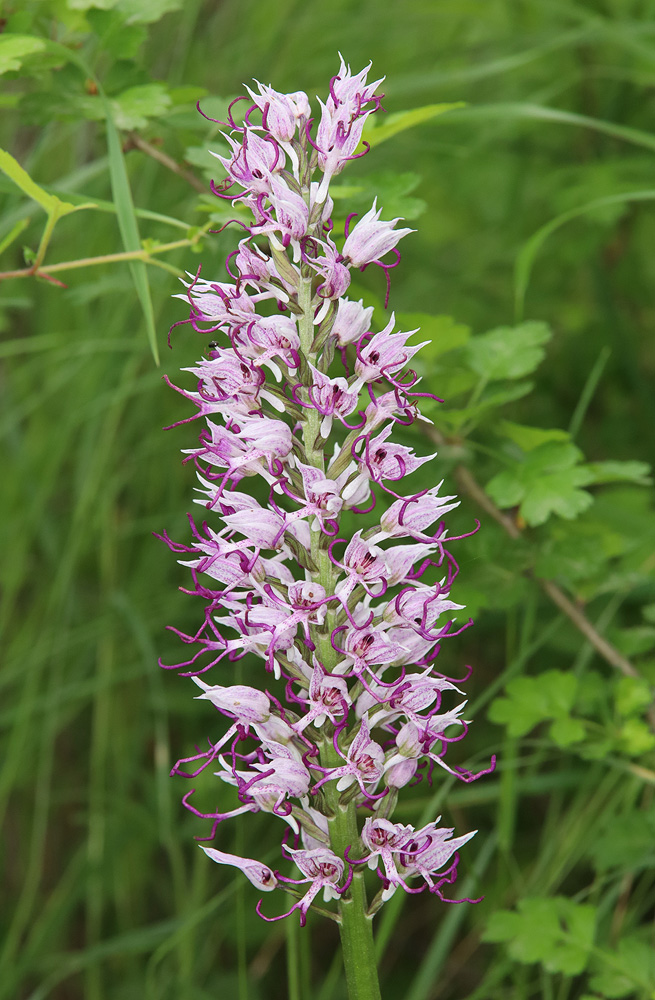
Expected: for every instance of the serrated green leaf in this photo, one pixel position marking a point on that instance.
(50, 202)
(450, 384)
(377, 131)
(628, 970)
(579, 551)
(636, 738)
(614, 472)
(634, 641)
(626, 842)
(395, 183)
(572, 954)
(392, 190)
(200, 156)
(556, 493)
(341, 192)
(573, 556)
(557, 691)
(490, 400)
(648, 611)
(506, 489)
(15, 48)
(508, 352)
(596, 749)
(556, 932)
(519, 720)
(133, 108)
(567, 731)
(406, 208)
(133, 11)
(546, 482)
(552, 456)
(528, 438)
(500, 395)
(147, 11)
(502, 926)
(187, 94)
(632, 695)
(592, 692)
(531, 700)
(115, 36)
(443, 332)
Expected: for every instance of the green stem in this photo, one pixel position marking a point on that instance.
(53, 217)
(356, 927)
(108, 258)
(357, 946)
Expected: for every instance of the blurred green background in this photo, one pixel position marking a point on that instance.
(109, 896)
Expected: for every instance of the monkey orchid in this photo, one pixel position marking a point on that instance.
(299, 397)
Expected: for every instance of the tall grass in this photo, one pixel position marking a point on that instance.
(110, 897)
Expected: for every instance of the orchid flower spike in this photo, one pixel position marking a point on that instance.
(299, 396)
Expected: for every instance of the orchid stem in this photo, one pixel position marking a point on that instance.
(356, 927)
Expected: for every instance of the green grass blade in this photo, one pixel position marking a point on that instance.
(537, 112)
(134, 942)
(500, 66)
(375, 132)
(588, 391)
(129, 229)
(13, 234)
(529, 251)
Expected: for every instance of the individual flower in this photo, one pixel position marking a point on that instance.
(260, 875)
(323, 870)
(280, 112)
(371, 238)
(352, 321)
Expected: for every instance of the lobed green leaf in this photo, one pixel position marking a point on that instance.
(548, 479)
(616, 472)
(14, 49)
(627, 972)
(528, 438)
(554, 931)
(626, 842)
(133, 108)
(531, 700)
(444, 333)
(491, 399)
(132, 11)
(50, 202)
(508, 352)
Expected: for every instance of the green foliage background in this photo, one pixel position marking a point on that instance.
(532, 273)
